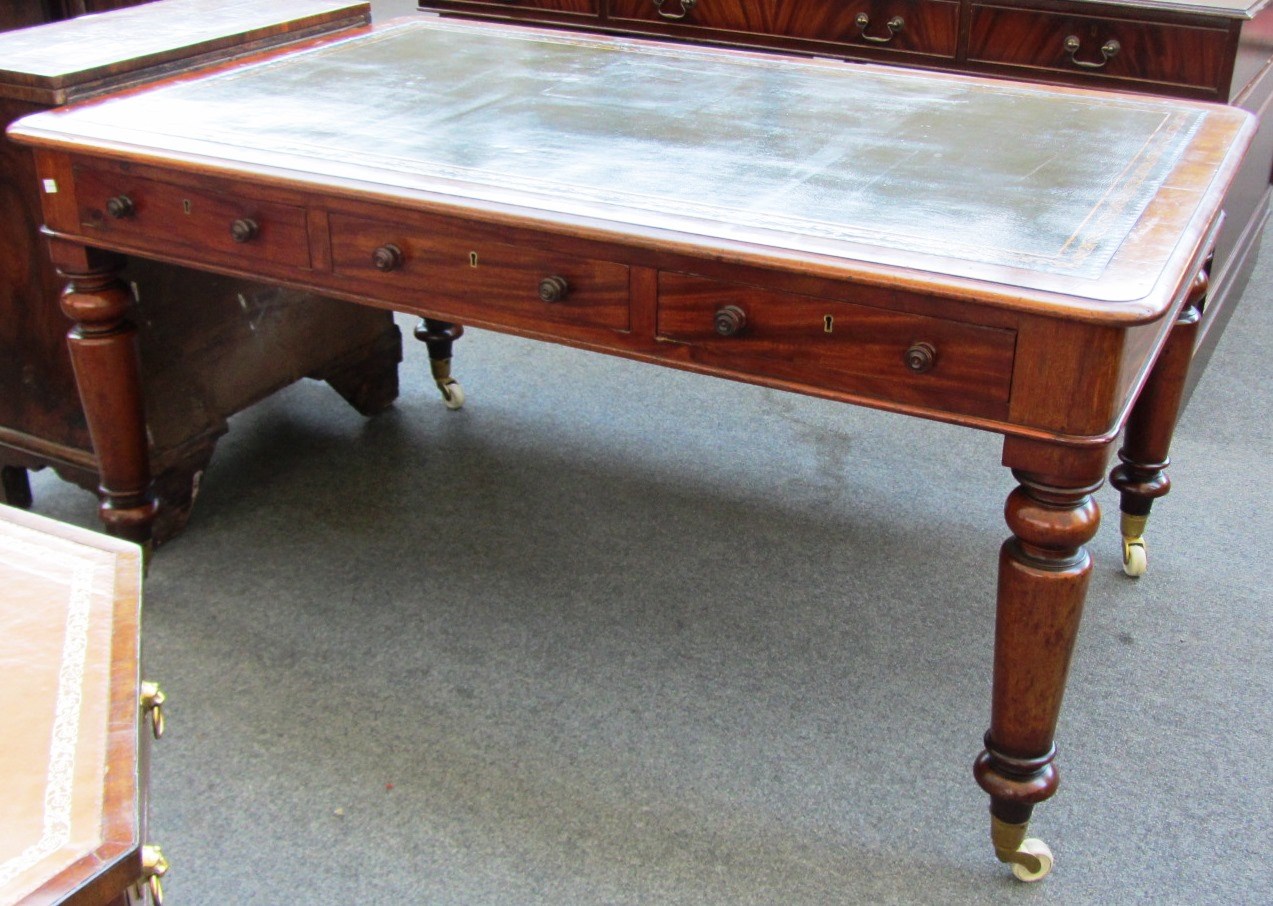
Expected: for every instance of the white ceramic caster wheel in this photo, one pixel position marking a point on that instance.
(452, 394)
(1037, 848)
(1135, 560)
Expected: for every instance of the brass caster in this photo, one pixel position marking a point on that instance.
(452, 393)
(1135, 557)
(1030, 857)
(1032, 861)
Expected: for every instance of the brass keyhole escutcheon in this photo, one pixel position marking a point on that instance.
(828, 324)
(185, 206)
(472, 259)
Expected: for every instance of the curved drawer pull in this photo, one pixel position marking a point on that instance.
(894, 25)
(1108, 50)
(387, 257)
(244, 229)
(553, 289)
(730, 321)
(686, 6)
(152, 705)
(120, 206)
(921, 357)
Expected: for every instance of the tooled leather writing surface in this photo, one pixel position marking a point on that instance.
(964, 177)
(68, 597)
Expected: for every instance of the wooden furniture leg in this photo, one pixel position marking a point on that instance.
(438, 336)
(103, 347)
(16, 486)
(1141, 478)
(1044, 570)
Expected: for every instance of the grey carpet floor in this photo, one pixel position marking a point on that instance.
(617, 635)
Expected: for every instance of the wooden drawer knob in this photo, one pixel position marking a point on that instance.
(921, 357)
(387, 258)
(120, 206)
(244, 230)
(730, 321)
(553, 289)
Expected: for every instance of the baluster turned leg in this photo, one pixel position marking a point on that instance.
(16, 487)
(1044, 570)
(438, 337)
(1142, 476)
(103, 347)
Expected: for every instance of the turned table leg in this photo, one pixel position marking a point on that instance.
(438, 337)
(1142, 476)
(103, 348)
(1044, 570)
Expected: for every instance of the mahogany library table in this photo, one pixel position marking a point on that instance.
(1018, 258)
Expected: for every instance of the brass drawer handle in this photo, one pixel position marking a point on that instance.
(730, 321)
(553, 289)
(244, 229)
(152, 705)
(894, 25)
(387, 258)
(686, 6)
(1108, 50)
(120, 206)
(921, 357)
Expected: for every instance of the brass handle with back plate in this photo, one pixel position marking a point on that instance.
(894, 25)
(686, 6)
(1108, 51)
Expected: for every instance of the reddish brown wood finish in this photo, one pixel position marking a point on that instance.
(1164, 57)
(1142, 478)
(839, 345)
(103, 344)
(1044, 569)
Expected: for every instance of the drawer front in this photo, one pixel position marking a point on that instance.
(891, 356)
(446, 266)
(514, 7)
(1094, 48)
(910, 26)
(211, 226)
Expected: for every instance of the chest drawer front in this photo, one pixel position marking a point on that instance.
(908, 26)
(1099, 48)
(512, 7)
(449, 267)
(212, 226)
(891, 356)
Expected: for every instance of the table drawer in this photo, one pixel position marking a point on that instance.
(453, 268)
(1099, 48)
(888, 355)
(911, 26)
(168, 218)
